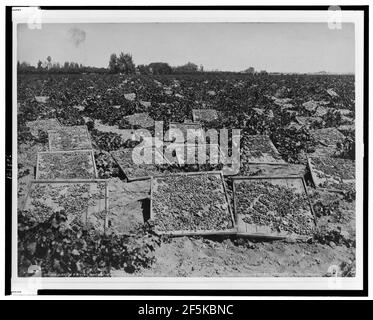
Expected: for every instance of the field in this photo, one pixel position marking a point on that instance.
(261, 105)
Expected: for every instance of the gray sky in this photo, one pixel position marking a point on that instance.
(284, 47)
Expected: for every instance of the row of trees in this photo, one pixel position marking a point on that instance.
(251, 70)
(55, 67)
(124, 64)
(165, 68)
(49, 65)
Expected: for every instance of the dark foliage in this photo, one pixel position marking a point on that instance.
(63, 251)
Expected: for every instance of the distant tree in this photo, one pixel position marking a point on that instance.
(130, 64)
(73, 65)
(25, 67)
(160, 68)
(250, 70)
(143, 69)
(39, 64)
(56, 65)
(113, 63)
(24, 64)
(192, 67)
(201, 68)
(125, 63)
(66, 65)
(187, 68)
(122, 61)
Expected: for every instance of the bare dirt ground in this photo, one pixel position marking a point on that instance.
(186, 257)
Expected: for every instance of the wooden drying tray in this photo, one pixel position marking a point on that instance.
(213, 113)
(264, 232)
(181, 233)
(42, 181)
(135, 178)
(280, 169)
(175, 125)
(280, 162)
(314, 180)
(63, 127)
(58, 123)
(67, 151)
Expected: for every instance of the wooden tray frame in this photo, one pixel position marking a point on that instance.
(280, 167)
(197, 120)
(269, 236)
(136, 178)
(47, 100)
(58, 122)
(181, 233)
(194, 123)
(133, 125)
(274, 149)
(324, 189)
(68, 151)
(352, 127)
(312, 133)
(72, 181)
(88, 135)
(299, 119)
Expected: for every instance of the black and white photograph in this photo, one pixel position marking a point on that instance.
(185, 149)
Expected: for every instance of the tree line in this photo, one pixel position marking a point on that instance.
(122, 63)
(48, 66)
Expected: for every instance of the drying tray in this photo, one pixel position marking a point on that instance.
(265, 232)
(211, 232)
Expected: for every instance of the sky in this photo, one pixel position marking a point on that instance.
(274, 47)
